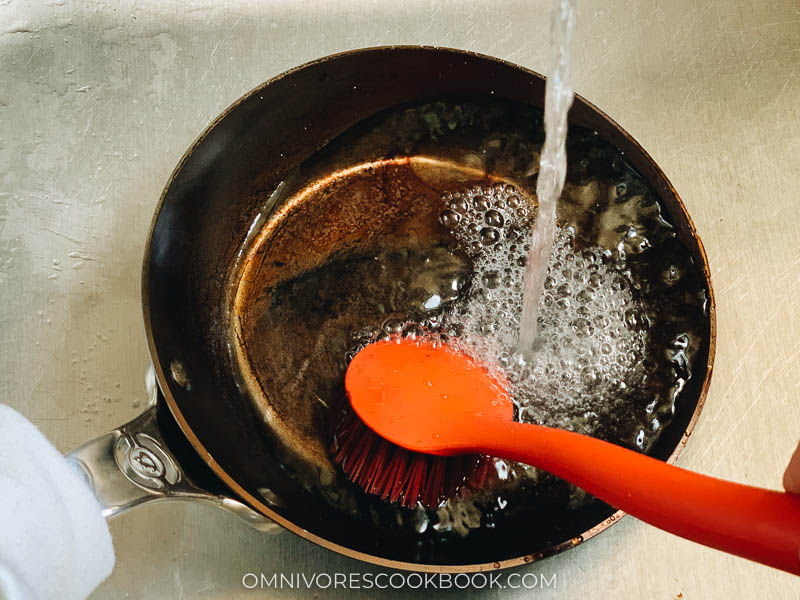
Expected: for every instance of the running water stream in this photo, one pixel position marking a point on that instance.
(552, 167)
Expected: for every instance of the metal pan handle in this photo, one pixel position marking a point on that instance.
(132, 465)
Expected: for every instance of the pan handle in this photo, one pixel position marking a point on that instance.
(132, 465)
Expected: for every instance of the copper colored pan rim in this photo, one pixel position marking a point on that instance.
(254, 502)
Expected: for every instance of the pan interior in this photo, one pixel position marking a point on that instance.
(356, 241)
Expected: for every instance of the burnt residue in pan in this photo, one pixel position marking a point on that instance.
(363, 236)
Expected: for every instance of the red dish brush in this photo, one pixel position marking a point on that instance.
(422, 398)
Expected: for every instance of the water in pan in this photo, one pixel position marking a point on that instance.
(589, 368)
(622, 316)
(592, 327)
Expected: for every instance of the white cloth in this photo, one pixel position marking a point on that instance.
(54, 541)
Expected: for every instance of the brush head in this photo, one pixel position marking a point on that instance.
(416, 395)
(394, 473)
(423, 396)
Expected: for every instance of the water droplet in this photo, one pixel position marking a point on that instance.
(564, 290)
(640, 439)
(489, 236)
(491, 279)
(179, 375)
(481, 203)
(494, 218)
(460, 205)
(671, 275)
(393, 326)
(450, 218)
(433, 302)
(582, 327)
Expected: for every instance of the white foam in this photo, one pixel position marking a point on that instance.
(592, 329)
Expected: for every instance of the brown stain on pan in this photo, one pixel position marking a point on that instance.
(350, 210)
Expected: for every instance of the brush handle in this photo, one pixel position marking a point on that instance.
(758, 524)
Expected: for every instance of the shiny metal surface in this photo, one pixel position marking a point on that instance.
(97, 104)
(132, 465)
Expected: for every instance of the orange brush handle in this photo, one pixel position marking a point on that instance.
(758, 524)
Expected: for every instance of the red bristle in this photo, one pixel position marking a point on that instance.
(479, 475)
(340, 452)
(348, 422)
(395, 474)
(455, 477)
(371, 476)
(384, 479)
(416, 475)
(399, 475)
(346, 436)
(360, 455)
(435, 485)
